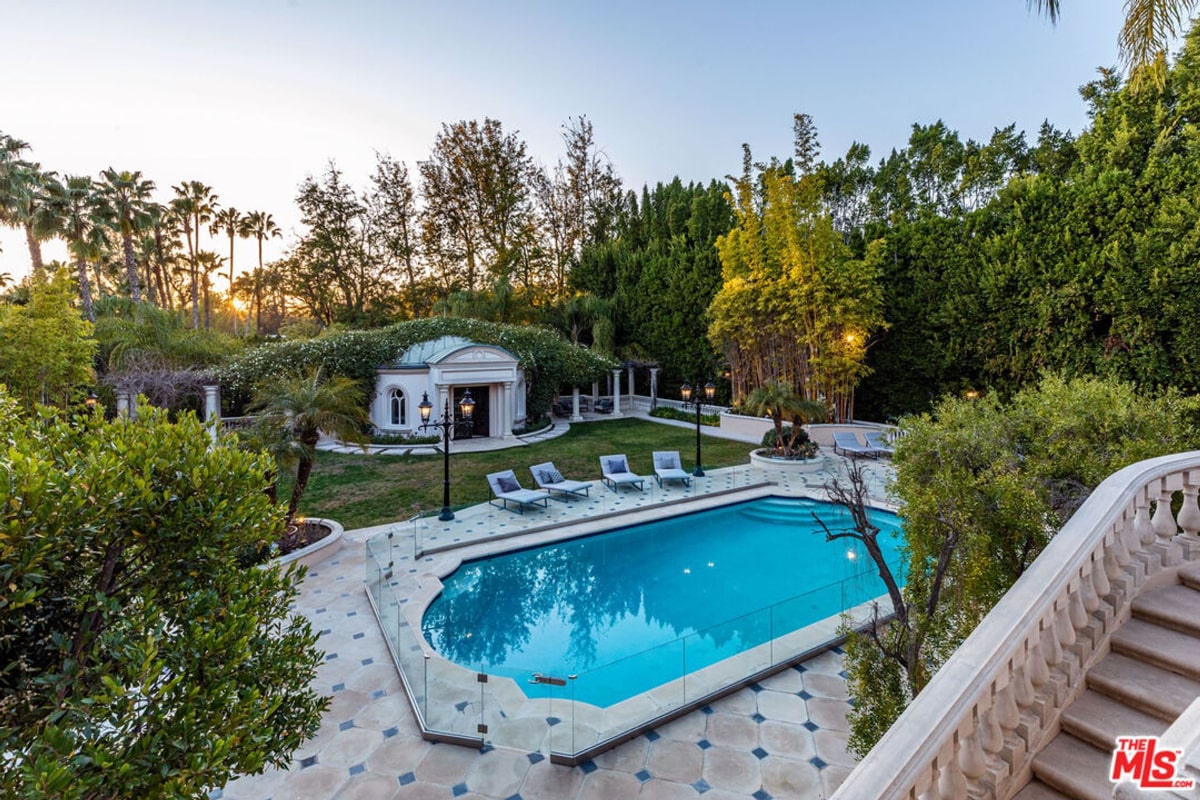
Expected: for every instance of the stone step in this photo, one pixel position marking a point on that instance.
(1190, 576)
(1175, 607)
(1098, 720)
(1036, 790)
(1162, 647)
(1074, 768)
(1143, 686)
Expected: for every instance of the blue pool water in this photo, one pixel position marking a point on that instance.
(634, 608)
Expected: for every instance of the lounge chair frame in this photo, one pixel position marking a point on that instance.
(613, 480)
(522, 497)
(566, 489)
(671, 468)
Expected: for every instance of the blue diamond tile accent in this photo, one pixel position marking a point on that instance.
(701, 786)
(761, 795)
(307, 762)
(330, 656)
(838, 650)
(804, 695)
(368, 661)
(460, 705)
(458, 789)
(358, 769)
(704, 744)
(320, 611)
(801, 669)
(326, 631)
(535, 758)
(817, 762)
(652, 736)
(407, 778)
(643, 775)
(390, 732)
(358, 635)
(588, 767)
(347, 725)
(552, 721)
(337, 687)
(756, 687)
(845, 677)
(216, 794)
(759, 753)
(378, 693)
(514, 797)
(758, 717)
(487, 748)
(812, 726)
(351, 613)
(706, 709)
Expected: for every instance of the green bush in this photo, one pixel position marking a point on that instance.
(803, 447)
(533, 427)
(403, 438)
(670, 412)
(549, 360)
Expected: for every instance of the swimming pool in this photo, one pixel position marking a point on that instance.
(622, 609)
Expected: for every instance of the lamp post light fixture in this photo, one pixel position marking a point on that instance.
(91, 401)
(446, 423)
(687, 394)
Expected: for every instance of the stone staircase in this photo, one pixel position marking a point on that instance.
(1149, 677)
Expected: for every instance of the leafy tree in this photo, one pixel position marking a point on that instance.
(984, 484)
(393, 229)
(261, 226)
(46, 350)
(777, 400)
(302, 406)
(139, 659)
(194, 205)
(78, 215)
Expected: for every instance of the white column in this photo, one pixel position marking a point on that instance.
(617, 393)
(575, 416)
(631, 388)
(506, 410)
(595, 393)
(212, 410)
(653, 388)
(125, 404)
(439, 406)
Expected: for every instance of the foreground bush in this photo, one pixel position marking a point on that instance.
(137, 659)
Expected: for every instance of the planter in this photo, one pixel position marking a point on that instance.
(786, 464)
(335, 535)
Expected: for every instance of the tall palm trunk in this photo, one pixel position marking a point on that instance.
(35, 250)
(131, 273)
(85, 289)
(258, 289)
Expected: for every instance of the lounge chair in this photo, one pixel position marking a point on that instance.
(668, 468)
(848, 443)
(507, 489)
(551, 480)
(615, 472)
(877, 443)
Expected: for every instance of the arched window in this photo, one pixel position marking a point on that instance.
(397, 412)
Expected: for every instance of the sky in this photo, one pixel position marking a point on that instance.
(250, 96)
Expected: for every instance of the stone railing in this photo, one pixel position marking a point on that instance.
(973, 731)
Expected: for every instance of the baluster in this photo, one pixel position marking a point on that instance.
(952, 784)
(1189, 513)
(931, 792)
(1163, 522)
(1118, 547)
(1112, 566)
(1037, 663)
(1100, 575)
(1007, 713)
(1143, 526)
(1077, 604)
(1023, 691)
(1087, 591)
(991, 734)
(1064, 628)
(971, 759)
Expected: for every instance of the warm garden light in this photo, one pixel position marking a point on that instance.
(691, 396)
(446, 424)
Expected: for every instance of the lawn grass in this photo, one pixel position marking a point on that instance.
(362, 490)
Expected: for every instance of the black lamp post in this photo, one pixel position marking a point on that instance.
(686, 393)
(446, 423)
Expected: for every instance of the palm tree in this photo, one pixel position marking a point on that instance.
(260, 225)
(194, 204)
(777, 400)
(233, 224)
(129, 198)
(302, 405)
(78, 216)
(1150, 26)
(30, 193)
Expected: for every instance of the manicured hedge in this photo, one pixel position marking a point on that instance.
(550, 361)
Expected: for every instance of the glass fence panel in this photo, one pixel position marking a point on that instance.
(721, 654)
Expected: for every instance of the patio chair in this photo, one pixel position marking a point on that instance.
(668, 468)
(877, 443)
(551, 480)
(507, 489)
(848, 443)
(615, 472)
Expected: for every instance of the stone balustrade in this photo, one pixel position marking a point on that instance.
(973, 731)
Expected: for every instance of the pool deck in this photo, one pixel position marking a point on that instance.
(784, 737)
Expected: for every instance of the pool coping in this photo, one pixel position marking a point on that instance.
(439, 561)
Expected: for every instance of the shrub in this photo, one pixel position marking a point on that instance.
(802, 447)
(670, 412)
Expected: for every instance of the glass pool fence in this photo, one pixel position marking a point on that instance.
(525, 707)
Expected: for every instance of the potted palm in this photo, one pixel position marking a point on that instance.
(786, 445)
